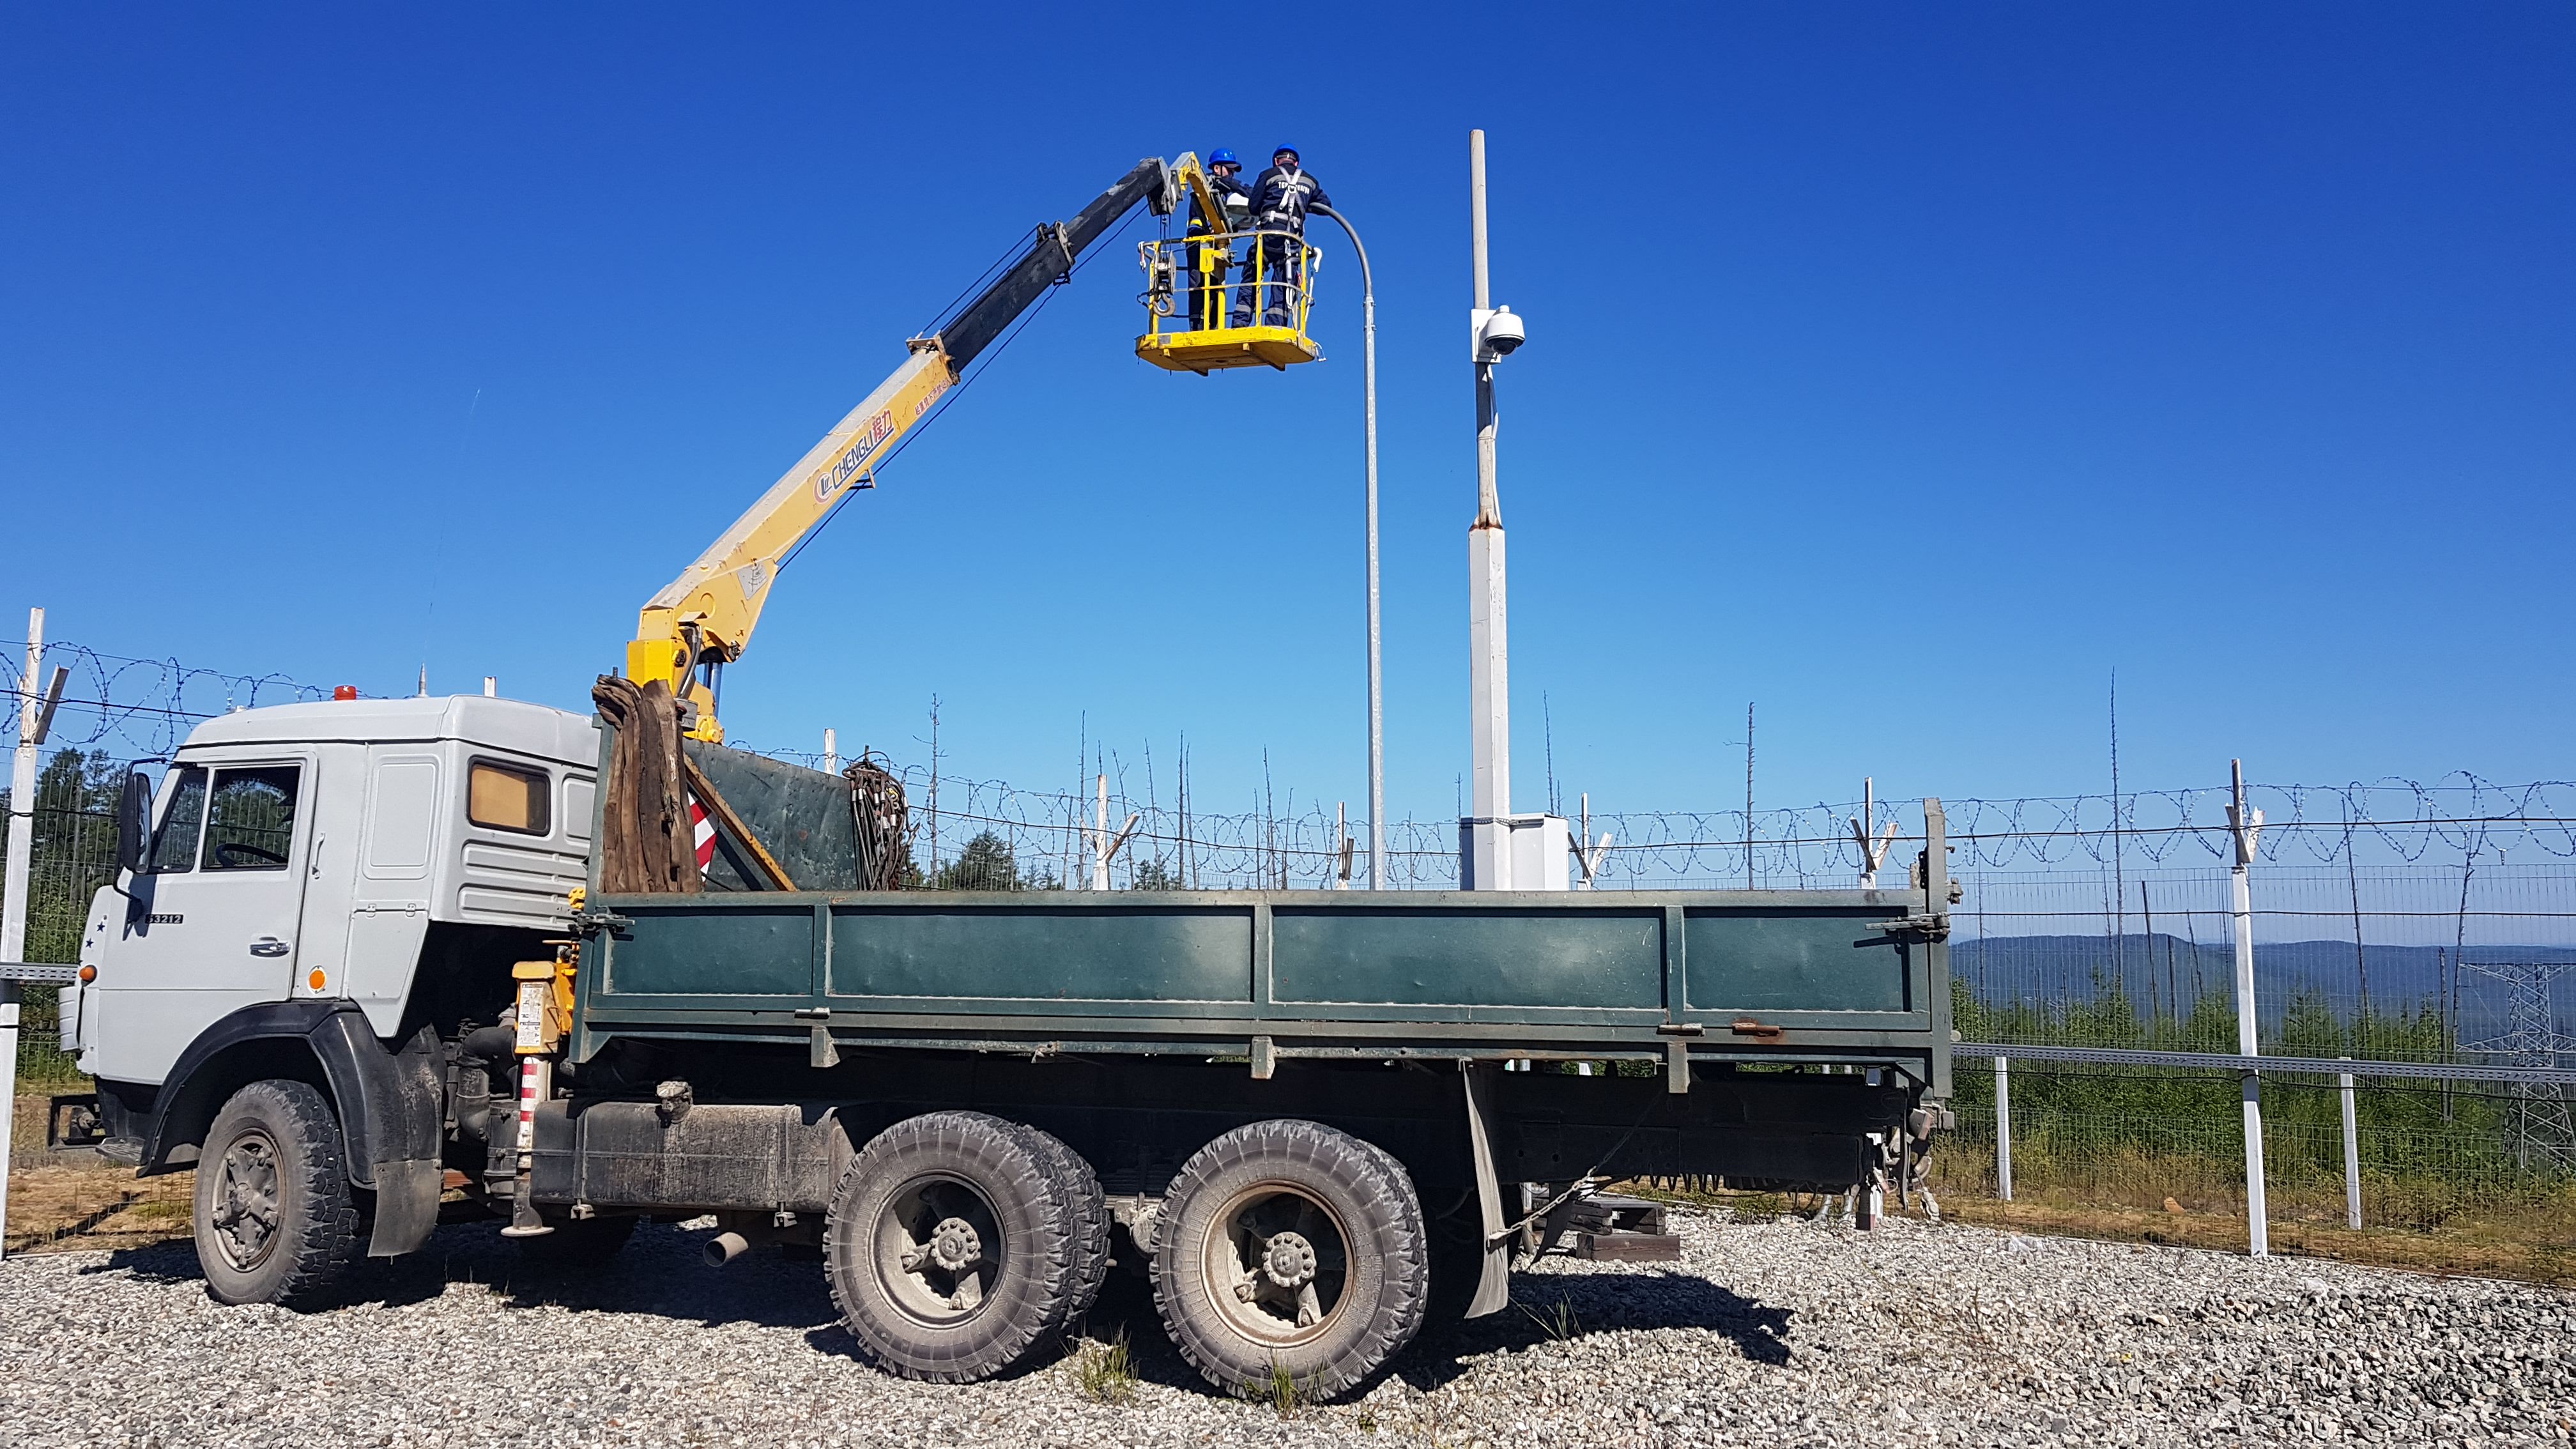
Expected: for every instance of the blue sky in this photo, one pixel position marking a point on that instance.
(1907, 369)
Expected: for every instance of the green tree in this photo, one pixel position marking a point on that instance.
(74, 853)
(1155, 875)
(74, 840)
(986, 864)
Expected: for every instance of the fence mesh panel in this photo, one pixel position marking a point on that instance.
(2392, 921)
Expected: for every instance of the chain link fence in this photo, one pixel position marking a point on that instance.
(2394, 921)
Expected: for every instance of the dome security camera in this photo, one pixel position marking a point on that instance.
(1497, 333)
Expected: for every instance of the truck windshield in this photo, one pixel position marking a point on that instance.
(250, 822)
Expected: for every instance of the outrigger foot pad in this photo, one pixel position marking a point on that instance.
(524, 1221)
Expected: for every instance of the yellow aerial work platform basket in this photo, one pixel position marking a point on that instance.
(1228, 299)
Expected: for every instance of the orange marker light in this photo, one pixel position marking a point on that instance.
(316, 980)
(344, 691)
(88, 974)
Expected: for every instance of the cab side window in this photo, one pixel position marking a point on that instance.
(174, 843)
(250, 818)
(505, 797)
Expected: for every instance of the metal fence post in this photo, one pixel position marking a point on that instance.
(1100, 841)
(2247, 826)
(13, 913)
(2351, 1158)
(2003, 1128)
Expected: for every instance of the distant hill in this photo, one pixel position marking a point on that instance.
(2160, 969)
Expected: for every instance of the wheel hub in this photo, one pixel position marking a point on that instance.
(954, 1244)
(1278, 1264)
(939, 1250)
(1288, 1261)
(246, 1200)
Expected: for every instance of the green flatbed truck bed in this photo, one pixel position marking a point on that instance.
(1316, 1120)
(1676, 979)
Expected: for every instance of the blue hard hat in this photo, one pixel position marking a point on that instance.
(1291, 150)
(1222, 157)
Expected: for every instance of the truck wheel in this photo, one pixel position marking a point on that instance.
(1287, 1246)
(1087, 1213)
(949, 1249)
(274, 1219)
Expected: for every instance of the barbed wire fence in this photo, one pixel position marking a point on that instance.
(133, 709)
(2395, 920)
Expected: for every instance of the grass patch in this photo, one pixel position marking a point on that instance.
(1558, 1323)
(1281, 1391)
(2415, 1222)
(163, 1212)
(1105, 1373)
(69, 1200)
(90, 1207)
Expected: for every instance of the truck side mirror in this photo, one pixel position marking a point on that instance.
(133, 821)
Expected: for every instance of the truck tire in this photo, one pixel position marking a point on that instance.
(948, 1248)
(275, 1222)
(1288, 1247)
(1087, 1213)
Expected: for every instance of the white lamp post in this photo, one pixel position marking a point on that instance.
(1376, 697)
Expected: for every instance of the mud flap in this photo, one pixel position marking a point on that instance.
(1494, 1283)
(406, 1205)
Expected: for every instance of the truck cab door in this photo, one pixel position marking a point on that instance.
(212, 926)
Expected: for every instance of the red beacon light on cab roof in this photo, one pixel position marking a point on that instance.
(344, 691)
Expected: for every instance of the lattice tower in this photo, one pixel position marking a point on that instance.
(2542, 1128)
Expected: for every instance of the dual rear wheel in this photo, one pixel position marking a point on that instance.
(961, 1246)
(955, 1246)
(1287, 1248)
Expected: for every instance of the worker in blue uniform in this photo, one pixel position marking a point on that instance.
(1272, 275)
(1207, 287)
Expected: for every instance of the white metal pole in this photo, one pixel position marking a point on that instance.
(1100, 840)
(22, 799)
(13, 913)
(2003, 1128)
(1583, 842)
(831, 752)
(1341, 876)
(2351, 1157)
(1868, 823)
(1376, 686)
(2247, 826)
(1873, 848)
(1489, 647)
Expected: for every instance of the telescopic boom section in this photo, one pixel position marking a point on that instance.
(703, 619)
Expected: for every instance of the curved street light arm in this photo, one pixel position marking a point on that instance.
(1376, 697)
(1366, 289)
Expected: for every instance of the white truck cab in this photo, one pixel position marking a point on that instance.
(304, 862)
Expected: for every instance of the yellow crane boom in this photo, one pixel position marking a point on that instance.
(702, 620)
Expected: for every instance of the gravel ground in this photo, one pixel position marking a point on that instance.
(1781, 1333)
